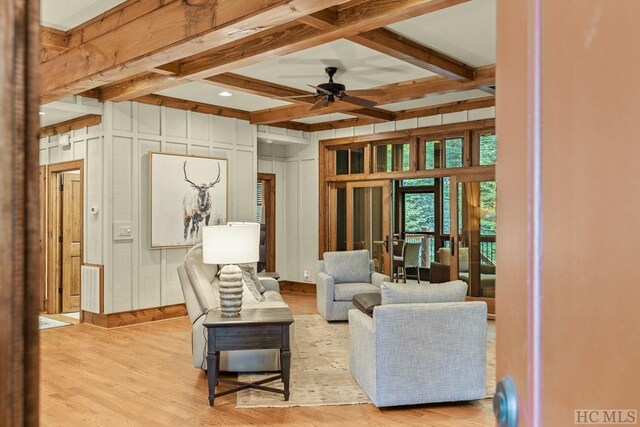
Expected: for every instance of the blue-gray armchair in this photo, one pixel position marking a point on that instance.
(341, 276)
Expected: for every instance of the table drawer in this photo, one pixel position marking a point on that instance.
(248, 338)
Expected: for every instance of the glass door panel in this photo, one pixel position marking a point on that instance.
(474, 252)
(368, 221)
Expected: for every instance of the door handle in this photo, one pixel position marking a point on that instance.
(386, 243)
(505, 403)
(452, 243)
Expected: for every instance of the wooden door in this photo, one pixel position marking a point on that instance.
(71, 241)
(369, 221)
(568, 329)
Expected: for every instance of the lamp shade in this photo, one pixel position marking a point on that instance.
(234, 243)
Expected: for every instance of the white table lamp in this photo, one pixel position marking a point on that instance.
(234, 243)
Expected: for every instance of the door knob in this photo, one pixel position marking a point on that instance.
(505, 403)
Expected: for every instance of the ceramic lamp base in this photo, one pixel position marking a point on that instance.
(230, 290)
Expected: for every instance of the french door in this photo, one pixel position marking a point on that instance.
(361, 219)
(472, 240)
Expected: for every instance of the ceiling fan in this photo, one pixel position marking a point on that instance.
(331, 91)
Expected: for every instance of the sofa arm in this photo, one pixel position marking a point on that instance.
(445, 345)
(324, 290)
(269, 283)
(362, 351)
(378, 278)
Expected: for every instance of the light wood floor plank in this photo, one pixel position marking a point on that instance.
(141, 375)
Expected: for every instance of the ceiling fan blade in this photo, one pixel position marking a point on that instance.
(319, 104)
(366, 92)
(358, 101)
(298, 96)
(319, 89)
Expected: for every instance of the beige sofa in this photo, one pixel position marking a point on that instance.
(200, 288)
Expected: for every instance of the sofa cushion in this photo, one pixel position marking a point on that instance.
(444, 256)
(397, 293)
(346, 291)
(348, 266)
(249, 273)
(249, 286)
(367, 302)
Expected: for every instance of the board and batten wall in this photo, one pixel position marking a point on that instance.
(296, 169)
(116, 173)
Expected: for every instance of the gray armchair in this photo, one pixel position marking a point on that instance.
(420, 346)
(341, 276)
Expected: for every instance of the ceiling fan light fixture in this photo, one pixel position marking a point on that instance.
(225, 93)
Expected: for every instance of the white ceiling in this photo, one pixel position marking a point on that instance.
(466, 31)
(210, 94)
(53, 116)
(358, 67)
(66, 14)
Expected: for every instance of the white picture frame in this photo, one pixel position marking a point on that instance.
(185, 194)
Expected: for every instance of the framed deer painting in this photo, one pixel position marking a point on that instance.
(186, 193)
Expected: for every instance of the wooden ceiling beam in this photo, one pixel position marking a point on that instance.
(53, 38)
(137, 86)
(450, 107)
(399, 47)
(395, 92)
(69, 125)
(350, 18)
(173, 31)
(216, 110)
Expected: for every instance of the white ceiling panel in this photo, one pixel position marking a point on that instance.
(358, 67)
(324, 118)
(466, 31)
(52, 116)
(210, 94)
(435, 100)
(66, 14)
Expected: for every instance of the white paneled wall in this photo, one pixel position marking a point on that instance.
(296, 169)
(116, 183)
(142, 277)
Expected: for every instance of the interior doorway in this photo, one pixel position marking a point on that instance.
(62, 235)
(266, 216)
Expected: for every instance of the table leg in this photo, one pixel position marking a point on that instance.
(212, 367)
(285, 361)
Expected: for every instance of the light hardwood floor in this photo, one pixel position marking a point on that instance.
(141, 375)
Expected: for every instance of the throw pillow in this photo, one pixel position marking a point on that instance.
(366, 302)
(249, 272)
(253, 294)
(396, 293)
(348, 266)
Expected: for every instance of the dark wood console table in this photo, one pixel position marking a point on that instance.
(254, 329)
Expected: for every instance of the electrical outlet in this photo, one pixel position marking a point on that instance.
(305, 274)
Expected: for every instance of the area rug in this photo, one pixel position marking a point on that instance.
(48, 323)
(320, 368)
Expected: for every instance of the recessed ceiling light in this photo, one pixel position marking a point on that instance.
(42, 113)
(225, 93)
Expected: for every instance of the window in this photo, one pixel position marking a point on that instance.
(357, 160)
(342, 162)
(454, 153)
(349, 161)
(431, 152)
(419, 212)
(259, 203)
(488, 149)
(417, 182)
(392, 157)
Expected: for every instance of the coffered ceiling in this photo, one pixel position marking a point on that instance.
(435, 48)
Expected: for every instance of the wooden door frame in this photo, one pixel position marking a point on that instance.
(269, 199)
(53, 249)
(19, 198)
